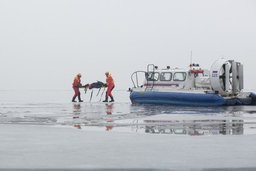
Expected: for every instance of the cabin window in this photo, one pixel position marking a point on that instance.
(206, 73)
(152, 76)
(166, 76)
(179, 76)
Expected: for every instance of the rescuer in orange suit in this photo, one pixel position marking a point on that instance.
(76, 85)
(110, 86)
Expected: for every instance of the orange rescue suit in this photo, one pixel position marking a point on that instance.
(110, 85)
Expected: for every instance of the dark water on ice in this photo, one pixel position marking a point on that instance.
(53, 107)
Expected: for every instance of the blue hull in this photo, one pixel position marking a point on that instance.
(175, 98)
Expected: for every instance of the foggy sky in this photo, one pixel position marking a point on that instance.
(45, 43)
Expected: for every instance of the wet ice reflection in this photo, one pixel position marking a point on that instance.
(165, 119)
(195, 127)
(124, 117)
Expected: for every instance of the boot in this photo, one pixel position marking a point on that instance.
(73, 99)
(112, 99)
(106, 99)
(79, 98)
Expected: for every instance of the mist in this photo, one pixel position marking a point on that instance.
(44, 44)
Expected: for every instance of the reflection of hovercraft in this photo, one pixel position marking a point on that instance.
(195, 127)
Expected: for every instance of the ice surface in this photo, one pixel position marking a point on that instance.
(44, 132)
(26, 146)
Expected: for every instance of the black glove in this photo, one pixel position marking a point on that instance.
(80, 86)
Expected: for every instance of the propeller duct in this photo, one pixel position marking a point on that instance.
(226, 77)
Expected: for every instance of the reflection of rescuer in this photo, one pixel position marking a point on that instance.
(110, 86)
(76, 85)
(76, 113)
(109, 111)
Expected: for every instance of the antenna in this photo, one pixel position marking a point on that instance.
(191, 57)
